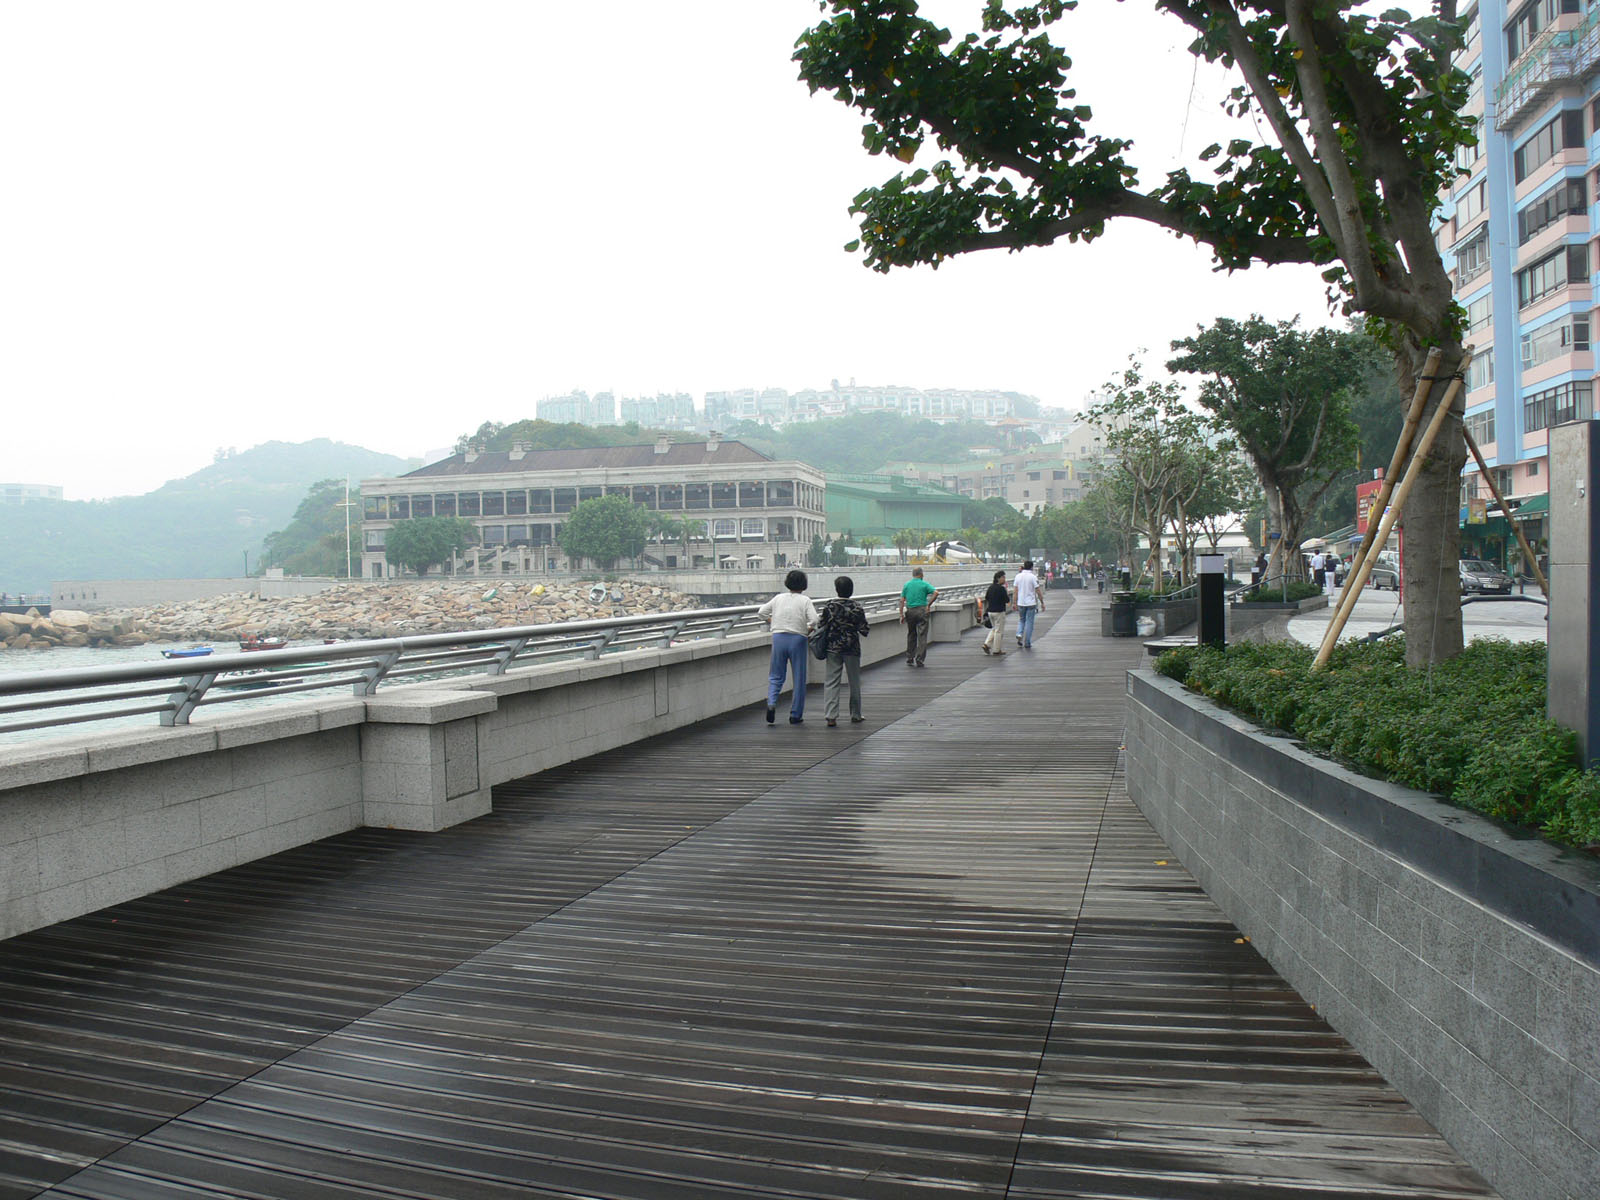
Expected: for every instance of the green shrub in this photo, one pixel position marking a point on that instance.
(1472, 729)
(1297, 589)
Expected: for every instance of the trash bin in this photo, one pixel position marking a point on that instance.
(1123, 615)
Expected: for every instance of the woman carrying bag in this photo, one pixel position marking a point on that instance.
(844, 622)
(995, 603)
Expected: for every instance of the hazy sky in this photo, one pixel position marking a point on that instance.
(384, 223)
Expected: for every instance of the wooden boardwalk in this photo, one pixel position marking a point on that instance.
(938, 954)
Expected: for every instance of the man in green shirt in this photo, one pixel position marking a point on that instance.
(916, 599)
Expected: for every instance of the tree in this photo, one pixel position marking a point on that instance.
(838, 553)
(1365, 115)
(817, 555)
(1167, 453)
(867, 545)
(425, 542)
(1285, 395)
(904, 540)
(605, 529)
(314, 542)
(690, 529)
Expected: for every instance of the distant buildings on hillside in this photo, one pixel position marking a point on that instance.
(777, 407)
(21, 493)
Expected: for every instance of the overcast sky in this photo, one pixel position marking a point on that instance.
(386, 222)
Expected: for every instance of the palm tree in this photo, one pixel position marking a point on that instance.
(664, 527)
(904, 539)
(690, 530)
(868, 545)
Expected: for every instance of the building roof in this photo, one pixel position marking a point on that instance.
(889, 487)
(678, 454)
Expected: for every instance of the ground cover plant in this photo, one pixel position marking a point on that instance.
(1472, 730)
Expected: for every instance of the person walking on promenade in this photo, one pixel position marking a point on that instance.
(996, 601)
(916, 600)
(844, 622)
(791, 616)
(1030, 602)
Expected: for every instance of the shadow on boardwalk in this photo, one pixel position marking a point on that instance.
(936, 954)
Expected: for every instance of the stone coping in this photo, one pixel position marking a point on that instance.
(1550, 889)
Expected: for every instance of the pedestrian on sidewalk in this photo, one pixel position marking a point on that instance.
(916, 601)
(845, 624)
(1030, 602)
(791, 616)
(996, 602)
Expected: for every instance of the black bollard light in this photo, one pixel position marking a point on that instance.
(1213, 608)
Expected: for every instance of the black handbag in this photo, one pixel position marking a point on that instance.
(817, 639)
(986, 622)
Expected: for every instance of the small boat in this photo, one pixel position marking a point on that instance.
(255, 641)
(189, 652)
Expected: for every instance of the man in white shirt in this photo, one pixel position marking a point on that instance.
(1318, 564)
(1030, 602)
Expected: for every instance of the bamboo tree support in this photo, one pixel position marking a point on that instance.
(1494, 490)
(1413, 472)
(1402, 449)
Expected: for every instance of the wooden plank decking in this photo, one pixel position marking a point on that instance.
(938, 954)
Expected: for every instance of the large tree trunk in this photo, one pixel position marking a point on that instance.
(1432, 521)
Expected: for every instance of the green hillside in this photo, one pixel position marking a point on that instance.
(197, 526)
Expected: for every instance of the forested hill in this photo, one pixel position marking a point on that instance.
(197, 526)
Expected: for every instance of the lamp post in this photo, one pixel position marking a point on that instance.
(346, 507)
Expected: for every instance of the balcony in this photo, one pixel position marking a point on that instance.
(1558, 57)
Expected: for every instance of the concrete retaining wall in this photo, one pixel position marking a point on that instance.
(1463, 962)
(92, 820)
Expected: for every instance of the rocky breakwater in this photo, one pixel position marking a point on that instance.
(67, 627)
(379, 610)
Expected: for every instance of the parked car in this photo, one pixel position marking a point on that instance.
(1479, 576)
(1386, 572)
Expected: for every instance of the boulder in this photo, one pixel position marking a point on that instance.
(70, 618)
(8, 628)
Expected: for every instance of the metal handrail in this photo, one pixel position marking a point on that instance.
(184, 685)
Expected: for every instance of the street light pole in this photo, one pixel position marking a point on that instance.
(346, 507)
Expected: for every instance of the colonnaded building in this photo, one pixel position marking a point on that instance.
(757, 512)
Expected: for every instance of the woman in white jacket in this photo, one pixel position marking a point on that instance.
(791, 616)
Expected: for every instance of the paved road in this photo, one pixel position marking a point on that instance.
(1518, 620)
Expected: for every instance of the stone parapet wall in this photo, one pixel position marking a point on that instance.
(1462, 961)
(92, 820)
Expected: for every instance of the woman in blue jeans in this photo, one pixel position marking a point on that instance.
(791, 616)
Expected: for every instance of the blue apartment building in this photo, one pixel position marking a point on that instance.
(1518, 230)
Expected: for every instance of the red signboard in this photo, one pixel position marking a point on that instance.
(1366, 493)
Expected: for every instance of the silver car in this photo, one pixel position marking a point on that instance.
(1385, 572)
(1479, 576)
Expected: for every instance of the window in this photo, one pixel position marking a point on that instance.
(724, 527)
(589, 493)
(374, 539)
(517, 535)
(752, 529)
(1557, 338)
(494, 504)
(1481, 372)
(1530, 19)
(752, 495)
(1480, 312)
(697, 495)
(517, 503)
(1472, 259)
(1568, 402)
(399, 507)
(1480, 426)
(1533, 469)
(1561, 132)
(539, 500)
(724, 495)
(492, 535)
(542, 535)
(566, 499)
(1553, 204)
(1469, 205)
(1034, 475)
(1569, 264)
(780, 493)
(670, 495)
(1058, 474)
(644, 494)
(622, 490)
(375, 508)
(422, 506)
(467, 503)
(1467, 156)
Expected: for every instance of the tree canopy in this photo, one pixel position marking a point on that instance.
(423, 543)
(1284, 393)
(314, 542)
(1364, 113)
(605, 529)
